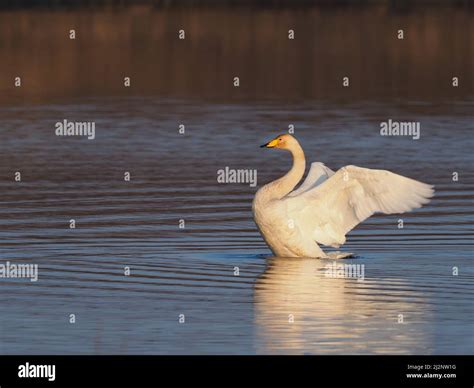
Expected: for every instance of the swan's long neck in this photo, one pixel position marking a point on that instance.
(284, 185)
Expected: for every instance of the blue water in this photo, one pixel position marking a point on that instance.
(191, 270)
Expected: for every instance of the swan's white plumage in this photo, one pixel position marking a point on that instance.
(329, 211)
(327, 205)
(317, 174)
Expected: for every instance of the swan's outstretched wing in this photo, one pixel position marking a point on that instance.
(317, 174)
(351, 195)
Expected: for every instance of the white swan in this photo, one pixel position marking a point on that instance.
(327, 205)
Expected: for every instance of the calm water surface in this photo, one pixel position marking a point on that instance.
(190, 271)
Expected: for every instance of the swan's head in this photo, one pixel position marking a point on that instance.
(284, 142)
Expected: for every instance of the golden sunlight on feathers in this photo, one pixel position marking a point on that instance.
(327, 205)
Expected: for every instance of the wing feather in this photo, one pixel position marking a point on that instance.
(317, 174)
(350, 196)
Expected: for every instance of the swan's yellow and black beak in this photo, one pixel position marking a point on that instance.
(270, 144)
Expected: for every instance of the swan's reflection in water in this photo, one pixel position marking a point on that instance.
(299, 309)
